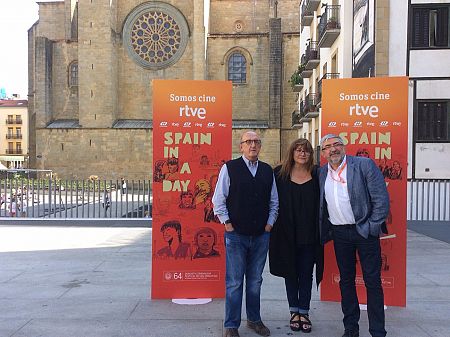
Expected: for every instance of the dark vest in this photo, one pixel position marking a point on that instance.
(249, 197)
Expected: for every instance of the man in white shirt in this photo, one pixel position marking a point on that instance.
(246, 202)
(354, 204)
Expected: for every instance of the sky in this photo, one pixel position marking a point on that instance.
(16, 17)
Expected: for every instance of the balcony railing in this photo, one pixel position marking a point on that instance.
(309, 107)
(311, 56)
(308, 8)
(296, 119)
(14, 136)
(329, 26)
(305, 73)
(327, 76)
(12, 151)
(14, 121)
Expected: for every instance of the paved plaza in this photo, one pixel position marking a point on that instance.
(69, 281)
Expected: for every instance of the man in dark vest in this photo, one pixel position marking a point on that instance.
(246, 202)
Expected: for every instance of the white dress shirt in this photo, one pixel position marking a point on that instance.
(337, 197)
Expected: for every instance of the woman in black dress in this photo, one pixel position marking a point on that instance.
(294, 243)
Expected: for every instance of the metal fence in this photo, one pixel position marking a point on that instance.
(51, 198)
(429, 200)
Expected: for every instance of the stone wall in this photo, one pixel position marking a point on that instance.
(270, 150)
(382, 38)
(112, 86)
(107, 153)
(65, 102)
(250, 100)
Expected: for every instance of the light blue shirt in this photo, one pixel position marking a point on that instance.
(223, 187)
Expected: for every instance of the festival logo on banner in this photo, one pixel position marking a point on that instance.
(371, 115)
(191, 141)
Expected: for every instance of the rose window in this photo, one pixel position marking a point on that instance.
(155, 37)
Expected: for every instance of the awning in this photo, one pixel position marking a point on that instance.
(12, 158)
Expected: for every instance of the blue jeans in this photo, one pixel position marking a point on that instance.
(246, 255)
(298, 290)
(346, 242)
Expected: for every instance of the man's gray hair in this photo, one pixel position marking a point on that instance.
(330, 136)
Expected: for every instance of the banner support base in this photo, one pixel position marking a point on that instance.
(191, 301)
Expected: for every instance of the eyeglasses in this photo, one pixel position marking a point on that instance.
(249, 142)
(303, 152)
(329, 146)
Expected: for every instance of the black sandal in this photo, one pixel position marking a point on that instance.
(305, 324)
(294, 323)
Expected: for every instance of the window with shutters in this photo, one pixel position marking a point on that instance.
(430, 27)
(433, 121)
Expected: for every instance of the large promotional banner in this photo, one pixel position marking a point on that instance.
(191, 141)
(371, 115)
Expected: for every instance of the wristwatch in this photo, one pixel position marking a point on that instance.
(227, 222)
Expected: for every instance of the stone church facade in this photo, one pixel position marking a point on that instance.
(92, 62)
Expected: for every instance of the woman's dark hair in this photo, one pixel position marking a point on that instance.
(288, 162)
(172, 224)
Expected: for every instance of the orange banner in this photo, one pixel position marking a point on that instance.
(191, 141)
(371, 115)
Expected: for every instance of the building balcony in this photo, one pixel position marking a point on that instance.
(326, 76)
(311, 57)
(308, 108)
(296, 119)
(14, 121)
(308, 8)
(329, 26)
(13, 136)
(306, 73)
(296, 80)
(12, 151)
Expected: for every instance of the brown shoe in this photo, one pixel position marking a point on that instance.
(231, 332)
(259, 328)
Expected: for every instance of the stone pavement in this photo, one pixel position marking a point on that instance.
(95, 282)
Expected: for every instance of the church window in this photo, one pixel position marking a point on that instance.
(155, 35)
(237, 68)
(73, 74)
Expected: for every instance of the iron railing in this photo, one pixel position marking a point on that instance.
(12, 136)
(14, 151)
(52, 198)
(429, 200)
(330, 19)
(14, 121)
(310, 103)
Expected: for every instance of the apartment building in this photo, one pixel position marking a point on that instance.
(366, 38)
(13, 133)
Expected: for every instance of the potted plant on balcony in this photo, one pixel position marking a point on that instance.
(296, 79)
(332, 23)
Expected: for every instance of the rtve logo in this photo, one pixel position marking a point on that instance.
(362, 110)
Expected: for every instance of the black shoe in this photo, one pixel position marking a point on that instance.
(351, 333)
(231, 332)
